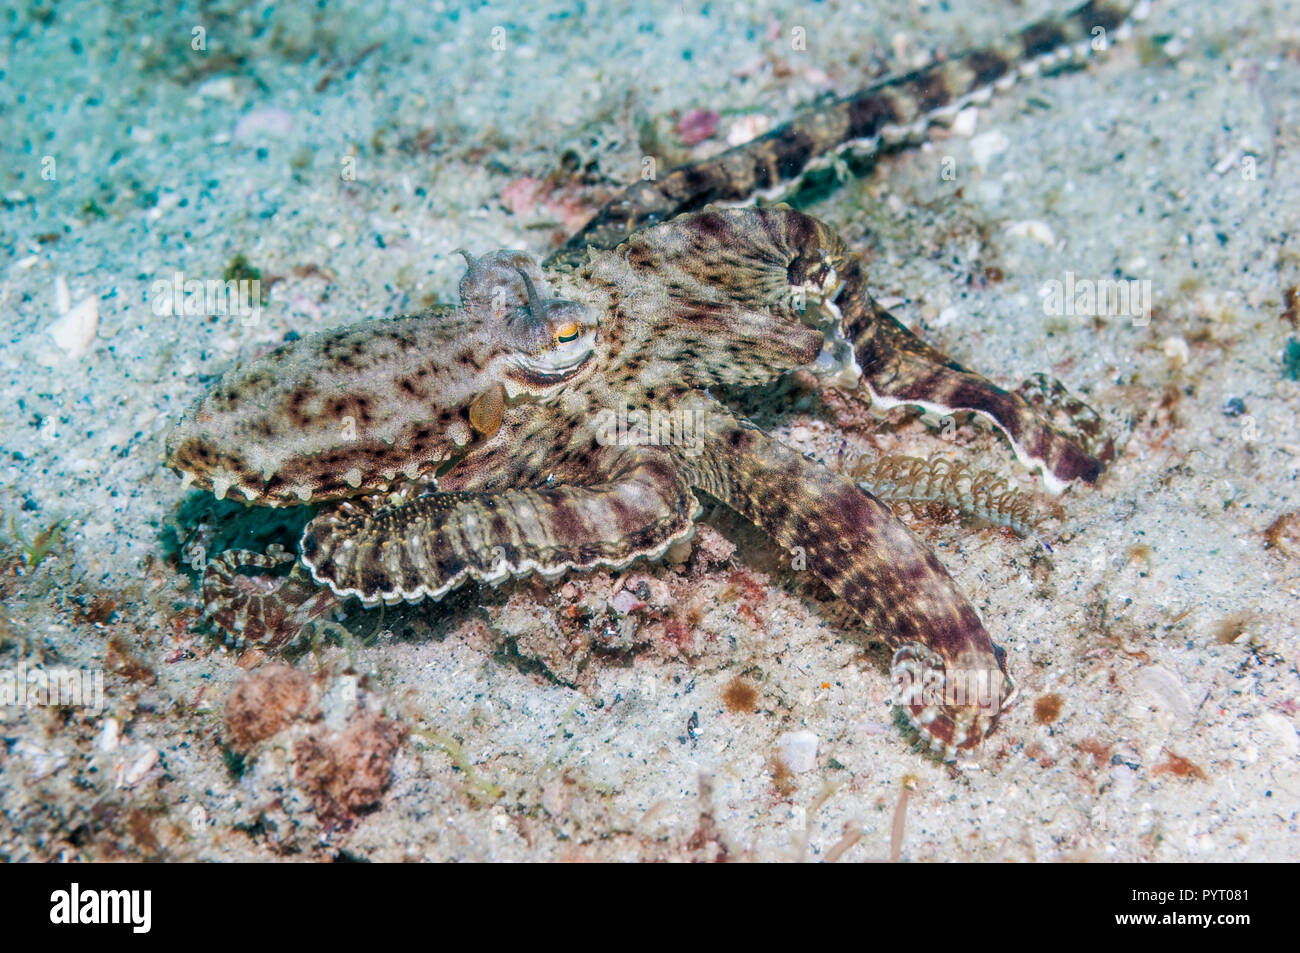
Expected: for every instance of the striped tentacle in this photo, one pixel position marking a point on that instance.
(899, 369)
(895, 368)
(888, 113)
(952, 677)
(264, 611)
(432, 544)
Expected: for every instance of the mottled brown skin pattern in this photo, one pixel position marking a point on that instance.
(711, 298)
(693, 304)
(867, 557)
(487, 441)
(357, 410)
(282, 429)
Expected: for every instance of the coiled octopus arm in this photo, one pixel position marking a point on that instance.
(621, 504)
(262, 610)
(898, 368)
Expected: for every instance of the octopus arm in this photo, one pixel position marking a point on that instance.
(635, 503)
(951, 674)
(262, 610)
(899, 369)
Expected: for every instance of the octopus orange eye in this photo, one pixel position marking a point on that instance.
(568, 332)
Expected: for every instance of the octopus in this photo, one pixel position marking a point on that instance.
(490, 440)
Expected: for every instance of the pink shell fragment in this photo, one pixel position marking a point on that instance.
(697, 125)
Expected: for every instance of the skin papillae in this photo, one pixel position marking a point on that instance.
(486, 441)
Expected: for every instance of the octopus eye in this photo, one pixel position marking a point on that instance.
(554, 336)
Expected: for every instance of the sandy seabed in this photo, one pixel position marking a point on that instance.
(720, 704)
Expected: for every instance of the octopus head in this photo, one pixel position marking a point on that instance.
(548, 339)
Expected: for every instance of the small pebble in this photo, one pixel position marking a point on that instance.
(963, 124)
(110, 735)
(747, 128)
(625, 602)
(140, 767)
(1166, 690)
(266, 121)
(798, 750)
(1033, 229)
(220, 87)
(75, 328)
(1176, 350)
